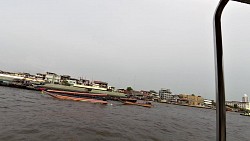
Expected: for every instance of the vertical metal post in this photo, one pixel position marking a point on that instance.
(220, 89)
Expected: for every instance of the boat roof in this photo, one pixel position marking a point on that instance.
(243, 1)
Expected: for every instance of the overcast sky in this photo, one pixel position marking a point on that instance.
(146, 44)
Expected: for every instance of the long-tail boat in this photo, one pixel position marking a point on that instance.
(77, 93)
(75, 98)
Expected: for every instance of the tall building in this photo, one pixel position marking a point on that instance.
(245, 98)
(165, 95)
(52, 78)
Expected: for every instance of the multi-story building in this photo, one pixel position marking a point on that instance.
(65, 77)
(136, 94)
(52, 78)
(208, 102)
(191, 99)
(100, 84)
(40, 76)
(175, 98)
(243, 105)
(155, 95)
(165, 95)
(145, 93)
(84, 81)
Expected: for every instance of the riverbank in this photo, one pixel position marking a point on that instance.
(58, 87)
(111, 95)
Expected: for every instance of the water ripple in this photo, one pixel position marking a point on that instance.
(28, 115)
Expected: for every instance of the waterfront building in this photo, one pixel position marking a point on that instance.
(121, 90)
(245, 98)
(23, 74)
(40, 76)
(84, 81)
(155, 96)
(100, 84)
(145, 93)
(208, 102)
(175, 98)
(136, 94)
(65, 77)
(243, 105)
(111, 88)
(165, 95)
(72, 81)
(52, 78)
(191, 100)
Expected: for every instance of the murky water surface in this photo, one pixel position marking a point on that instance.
(30, 115)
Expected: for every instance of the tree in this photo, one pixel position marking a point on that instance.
(193, 94)
(152, 91)
(129, 88)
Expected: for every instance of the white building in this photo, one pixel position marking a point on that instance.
(245, 98)
(52, 78)
(175, 98)
(208, 102)
(165, 95)
(72, 81)
(244, 105)
(156, 96)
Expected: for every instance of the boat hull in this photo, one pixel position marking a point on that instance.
(57, 96)
(138, 104)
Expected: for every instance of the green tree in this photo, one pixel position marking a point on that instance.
(129, 88)
(152, 91)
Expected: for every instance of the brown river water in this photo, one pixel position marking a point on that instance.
(32, 116)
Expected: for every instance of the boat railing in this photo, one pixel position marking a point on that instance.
(220, 88)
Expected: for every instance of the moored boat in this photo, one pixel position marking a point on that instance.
(245, 114)
(77, 93)
(75, 98)
(61, 88)
(128, 99)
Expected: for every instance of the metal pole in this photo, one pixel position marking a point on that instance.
(220, 89)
